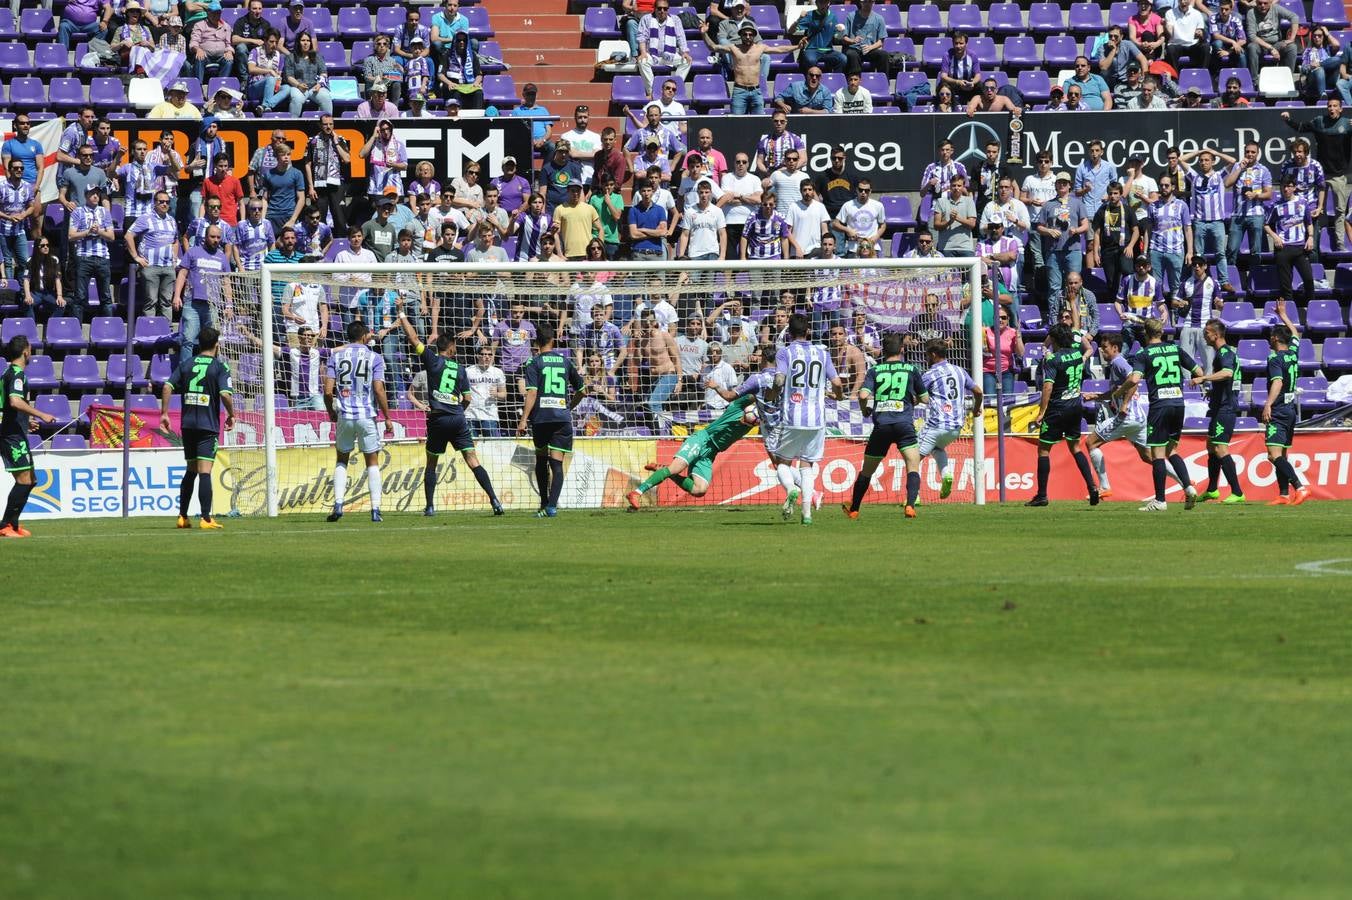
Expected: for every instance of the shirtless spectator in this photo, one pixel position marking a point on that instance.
(848, 359)
(990, 100)
(744, 59)
(658, 347)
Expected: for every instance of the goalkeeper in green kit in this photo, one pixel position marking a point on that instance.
(693, 465)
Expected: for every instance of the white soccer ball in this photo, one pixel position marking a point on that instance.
(750, 416)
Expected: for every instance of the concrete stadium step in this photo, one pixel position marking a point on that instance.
(569, 61)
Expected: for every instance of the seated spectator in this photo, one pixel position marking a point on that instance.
(1126, 93)
(540, 124)
(1149, 96)
(307, 77)
(1314, 59)
(134, 33)
(1115, 55)
(294, 25)
(944, 101)
(461, 76)
(1265, 23)
(177, 106)
(815, 33)
(90, 232)
(173, 40)
(661, 41)
(424, 181)
(960, 70)
(1233, 95)
(42, 292)
(806, 96)
(226, 103)
(1092, 87)
(446, 24)
(863, 39)
(1146, 30)
(420, 73)
(989, 100)
(209, 45)
(383, 68)
(746, 64)
(402, 36)
(79, 18)
(248, 35)
(1186, 27)
(469, 194)
(375, 106)
(267, 90)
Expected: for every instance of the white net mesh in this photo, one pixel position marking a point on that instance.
(610, 319)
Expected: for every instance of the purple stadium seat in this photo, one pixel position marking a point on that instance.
(1325, 317)
(601, 23)
(494, 49)
(143, 403)
(902, 45)
(108, 333)
(1005, 18)
(57, 405)
(627, 90)
(909, 80)
(877, 85)
(274, 16)
(68, 442)
(500, 91)
(41, 374)
(897, 211)
(1313, 392)
(1328, 12)
(1119, 12)
(151, 333)
(66, 94)
(1020, 53)
(52, 58)
(390, 18)
(1035, 85)
(88, 400)
(26, 93)
(932, 56)
(65, 334)
(160, 370)
(1235, 311)
(1196, 78)
(983, 48)
(325, 28)
(1086, 18)
(832, 81)
(1109, 318)
(1046, 18)
(711, 91)
(1245, 80)
(965, 17)
(334, 55)
(1253, 354)
(14, 57)
(479, 26)
(767, 19)
(360, 50)
(215, 84)
(107, 94)
(354, 21)
(8, 30)
(1030, 321)
(782, 82)
(120, 366)
(1059, 52)
(37, 23)
(11, 328)
(1337, 356)
(924, 19)
(891, 16)
(1263, 281)
(80, 372)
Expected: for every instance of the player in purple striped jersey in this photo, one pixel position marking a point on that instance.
(802, 372)
(948, 386)
(354, 386)
(1117, 420)
(761, 385)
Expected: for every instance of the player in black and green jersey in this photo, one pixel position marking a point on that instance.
(692, 467)
(553, 388)
(890, 391)
(203, 386)
(1163, 367)
(1222, 410)
(1060, 414)
(14, 428)
(1279, 412)
(448, 397)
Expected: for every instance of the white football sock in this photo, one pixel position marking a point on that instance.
(1101, 467)
(339, 483)
(786, 477)
(373, 483)
(809, 473)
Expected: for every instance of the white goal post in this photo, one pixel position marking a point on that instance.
(889, 292)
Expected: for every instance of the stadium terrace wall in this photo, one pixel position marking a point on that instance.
(447, 145)
(893, 150)
(88, 484)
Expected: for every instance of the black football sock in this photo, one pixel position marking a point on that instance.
(18, 498)
(1044, 471)
(912, 488)
(1082, 463)
(1232, 476)
(1283, 486)
(1181, 470)
(481, 476)
(542, 478)
(204, 494)
(185, 492)
(1289, 472)
(1213, 473)
(1159, 470)
(555, 482)
(860, 489)
(429, 482)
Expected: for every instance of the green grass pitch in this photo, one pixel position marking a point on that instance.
(999, 703)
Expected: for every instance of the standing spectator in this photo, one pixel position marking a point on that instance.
(1252, 185)
(1092, 177)
(75, 181)
(1001, 251)
(662, 38)
(705, 235)
(766, 235)
(693, 348)
(1170, 237)
(25, 149)
(512, 339)
(402, 37)
(284, 189)
(704, 146)
(91, 232)
(609, 205)
(601, 337)
(556, 174)
(108, 150)
(540, 125)
(773, 147)
(202, 161)
(349, 298)
(1188, 36)
(667, 138)
(388, 160)
(196, 231)
(383, 68)
(1290, 227)
(137, 179)
(286, 252)
(168, 164)
(1227, 37)
(248, 35)
(379, 234)
(741, 197)
(1332, 135)
(1264, 24)
(610, 161)
(445, 213)
(1010, 211)
(747, 64)
(810, 221)
(959, 69)
(1037, 189)
(718, 374)
(152, 242)
(253, 237)
(863, 220)
(1113, 237)
(786, 184)
(647, 226)
(836, 185)
(1115, 56)
(815, 32)
(1206, 192)
(19, 207)
(512, 188)
(42, 291)
(807, 97)
(1061, 224)
(327, 157)
(530, 226)
(1139, 297)
(1196, 300)
(307, 77)
(314, 236)
(1010, 350)
(1146, 30)
(487, 388)
(658, 346)
(578, 223)
(990, 172)
(848, 359)
(200, 273)
(938, 175)
(953, 218)
(863, 39)
(210, 47)
(1093, 88)
(73, 137)
(853, 99)
(446, 24)
(581, 142)
(294, 25)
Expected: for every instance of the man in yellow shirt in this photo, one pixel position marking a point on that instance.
(578, 223)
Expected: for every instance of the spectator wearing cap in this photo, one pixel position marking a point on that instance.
(654, 130)
(417, 107)
(582, 142)
(173, 40)
(383, 68)
(419, 71)
(661, 41)
(815, 33)
(283, 187)
(402, 36)
(226, 103)
(1227, 37)
(863, 39)
(210, 46)
(294, 25)
(176, 106)
(1129, 89)
(134, 33)
(1056, 99)
(610, 159)
(578, 223)
(1092, 86)
(540, 125)
(460, 75)
(556, 174)
(248, 35)
(376, 106)
(326, 162)
(746, 63)
(1191, 99)
(266, 89)
(90, 230)
(152, 242)
(446, 24)
(307, 76)
(380, 234)
(513, 189)
(1114, 55)
(807, 96)
(1060, 224)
